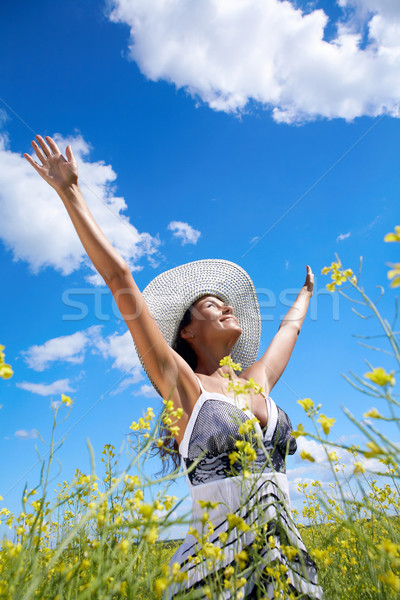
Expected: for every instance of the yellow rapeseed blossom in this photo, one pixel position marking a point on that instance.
(241, 558)
(299, 431)
(394, 274)
(307, 456)
(248, 426)
(338, 275)
(66, 400)
(307, 404)
(392, 580)
(160, 585)
(5, 370)
(374, 450)
(373, 413)
(393, 237)
(381, 377)
(359, 467)
(238, 522)
(326, 423)
(227, 361)
(151, 536)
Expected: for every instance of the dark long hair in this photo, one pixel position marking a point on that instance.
(169, 451)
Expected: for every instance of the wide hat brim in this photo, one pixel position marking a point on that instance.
(171, 293)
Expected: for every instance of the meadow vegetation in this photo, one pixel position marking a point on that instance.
(105, 537)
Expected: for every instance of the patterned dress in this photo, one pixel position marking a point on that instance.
(271, 561)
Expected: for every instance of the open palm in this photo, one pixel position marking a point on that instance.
(55, 169)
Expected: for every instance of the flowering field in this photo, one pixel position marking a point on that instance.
(101, 538)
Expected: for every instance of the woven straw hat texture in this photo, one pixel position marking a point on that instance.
(171, 293)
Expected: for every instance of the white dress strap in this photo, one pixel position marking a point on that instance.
(201, 385)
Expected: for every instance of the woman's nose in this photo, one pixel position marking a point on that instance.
(228, 310)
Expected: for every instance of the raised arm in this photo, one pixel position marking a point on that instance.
(268, 369)
(167, 369)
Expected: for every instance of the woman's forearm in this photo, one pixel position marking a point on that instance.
(104, 257)
(297, 312)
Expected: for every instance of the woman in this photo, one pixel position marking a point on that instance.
(234, 444)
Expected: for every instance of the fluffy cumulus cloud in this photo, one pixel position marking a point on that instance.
(230, 52)
(184, 232)
(73, 349)
(47, 389)
(65, 348)
(36, 228)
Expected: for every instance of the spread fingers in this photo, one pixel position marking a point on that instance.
(38, 151)
(52, 145)
(46, 150)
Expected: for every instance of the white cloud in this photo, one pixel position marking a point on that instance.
(184, 232)
(73, 349)
(66, 348)
(230, 52)
(122, 350)
(46, 389)
(35, 225)
(23, 434)
(343, 236)
(147, 391)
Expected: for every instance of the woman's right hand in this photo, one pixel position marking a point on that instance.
(59, 172)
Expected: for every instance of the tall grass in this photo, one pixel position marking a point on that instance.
(101, 538)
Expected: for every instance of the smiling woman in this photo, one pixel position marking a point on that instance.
(232, 445)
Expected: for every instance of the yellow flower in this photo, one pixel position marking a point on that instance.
(307, 456)
(66, 400)
(358, 468)
(391, 579)
(393, 237)
(241, 559)
(374, 450)
(6, 371)
(160, 585)
(123, 546)
(395, 275)
(229, 362)
(151, 535)
(326, 423)
(233, 457)
(380, 377)
(238, 522)
(299, 431)
(373, 413)
(307, 404)
(248, 426)
(207, 504)
(333, 456)
(223, 537)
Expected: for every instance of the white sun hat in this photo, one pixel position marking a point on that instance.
(171, 293)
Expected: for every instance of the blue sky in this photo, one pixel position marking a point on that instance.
(259, 132)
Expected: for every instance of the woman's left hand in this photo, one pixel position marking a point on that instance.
(309, 282)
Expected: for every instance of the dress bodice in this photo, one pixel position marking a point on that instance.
(213, 430)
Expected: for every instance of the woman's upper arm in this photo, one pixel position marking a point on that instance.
(276, 357)
(167, 369)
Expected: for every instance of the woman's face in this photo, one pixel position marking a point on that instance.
(212, 321)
